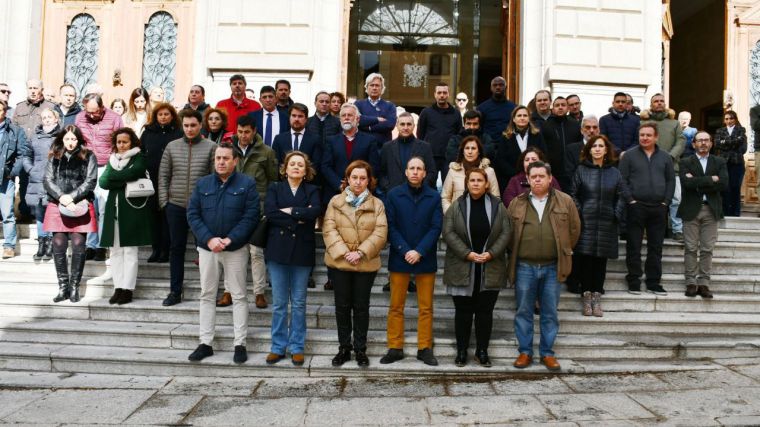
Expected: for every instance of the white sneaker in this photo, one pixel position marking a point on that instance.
(103, 279)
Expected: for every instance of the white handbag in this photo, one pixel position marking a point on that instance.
(142, 187)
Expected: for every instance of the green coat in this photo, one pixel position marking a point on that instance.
(135, 225)
(457, 269)
(259, 163)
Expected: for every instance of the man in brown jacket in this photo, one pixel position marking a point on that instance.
(545, 228)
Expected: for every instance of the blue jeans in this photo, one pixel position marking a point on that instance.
(39, 214)
(676, 224)
(289, 284)
(101, 197)
(7, 196)
(532, 281)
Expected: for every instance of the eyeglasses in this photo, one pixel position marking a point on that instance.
(5, 91)
(461, 99)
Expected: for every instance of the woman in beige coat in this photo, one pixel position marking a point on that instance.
(470, 156)
(355, 231)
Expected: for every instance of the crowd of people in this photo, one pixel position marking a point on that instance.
(532, 196)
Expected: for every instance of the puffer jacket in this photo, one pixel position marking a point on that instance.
(346, 229)
(453, 186)
(731, 146)
(623, 131)
(457, 269)
(184, 162)
(600, 195)
(35, 163)
(71, 175)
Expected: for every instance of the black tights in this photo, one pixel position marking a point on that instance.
(61, 242)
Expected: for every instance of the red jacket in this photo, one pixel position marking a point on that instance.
(235, 110)
(98, 135)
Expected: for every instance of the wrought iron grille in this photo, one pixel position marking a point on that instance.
(82, 43)
(160, 53)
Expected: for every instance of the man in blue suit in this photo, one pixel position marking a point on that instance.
(297, 138)
(342, 149)
(378, 116)
(270, 121)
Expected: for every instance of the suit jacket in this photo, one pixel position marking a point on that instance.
(308, 143)
(392, 171)
(258, 117)
(701, 184)
(335, 162)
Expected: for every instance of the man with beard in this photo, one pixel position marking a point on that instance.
(472, 119)
(620, 126)
(437, 124)
(97, 123)
(559, 131)
(282, 89)
(497, 110)
(237, 104)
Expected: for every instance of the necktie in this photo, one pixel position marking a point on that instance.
(295, 143)
(268, 132)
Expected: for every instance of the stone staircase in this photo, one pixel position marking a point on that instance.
(146, 338)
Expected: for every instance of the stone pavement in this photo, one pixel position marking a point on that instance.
(721, 392)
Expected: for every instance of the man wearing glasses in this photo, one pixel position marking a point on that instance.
(5, 95)
(574, 107)
(703, 178)
(461, 101)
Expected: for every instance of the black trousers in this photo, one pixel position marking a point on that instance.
(732, 197)
(591, 272)
(654, 220)
(480, 306)
(160, 231)
(443, 167)
(352, 292)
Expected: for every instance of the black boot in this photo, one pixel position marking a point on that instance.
(48, 255)
(62, 270)
(154, 255)
(40, 249)
(77, 267)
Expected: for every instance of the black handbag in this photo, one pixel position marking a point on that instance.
(260, 234)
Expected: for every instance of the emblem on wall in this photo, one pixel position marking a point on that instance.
(415, 75)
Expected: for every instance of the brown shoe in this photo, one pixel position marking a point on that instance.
(225, 300)
(298, 359)
(261, 301)
(9, 253)
(691, 291)
(551, 363)
(523, 361)
(704, 292)
(273, 358)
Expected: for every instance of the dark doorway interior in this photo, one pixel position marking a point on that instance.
(697, 61)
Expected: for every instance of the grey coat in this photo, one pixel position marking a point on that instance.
(182, 165)
(458, 273)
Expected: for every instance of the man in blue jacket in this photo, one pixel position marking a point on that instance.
(620, 126)
(497, 110)
(377, 116)
(222, 213)
(13, 148)
(415, 219)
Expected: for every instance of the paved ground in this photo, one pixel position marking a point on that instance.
(717, 393)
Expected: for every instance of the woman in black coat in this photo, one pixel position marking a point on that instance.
(34, 165)
(731, 144)
(519, 135)
(163, 128)
(600, 196)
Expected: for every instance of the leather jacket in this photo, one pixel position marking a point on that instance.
(71, 175)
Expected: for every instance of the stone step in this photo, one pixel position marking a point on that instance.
(324, 342)
(723, 249)
(616, 298)
(323, 317)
